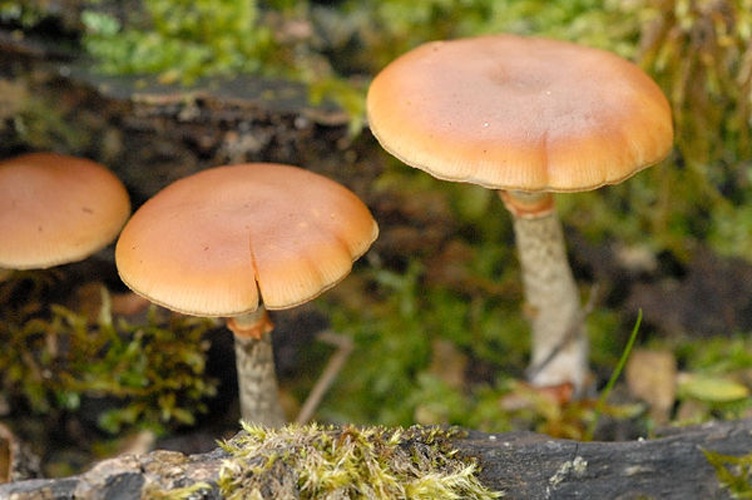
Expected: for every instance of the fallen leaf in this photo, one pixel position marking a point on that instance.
(651, 377)
(711, 389)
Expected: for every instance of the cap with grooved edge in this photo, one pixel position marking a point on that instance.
(520, 113)
(224, 240)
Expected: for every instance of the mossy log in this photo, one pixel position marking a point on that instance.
(521, 465)
(151, 134)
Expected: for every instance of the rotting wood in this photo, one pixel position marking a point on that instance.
(522, 465)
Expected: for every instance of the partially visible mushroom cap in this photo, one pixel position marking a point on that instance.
(56, 209)
(516, 113)
(219, 242)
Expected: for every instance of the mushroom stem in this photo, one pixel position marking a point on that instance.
(257, 378)
(559, 340)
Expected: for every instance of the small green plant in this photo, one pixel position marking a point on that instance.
(348, 462)
(151, 375)
(714, 382)
(601, 404)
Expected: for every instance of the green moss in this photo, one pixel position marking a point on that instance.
(348, 462)
(402, 328)
(389, 28)
(152, 374)
(181, 40)
(190, 39)
(700, 52)
(733, 472)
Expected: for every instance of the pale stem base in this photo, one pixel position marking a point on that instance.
(257, 379)
(559, 339)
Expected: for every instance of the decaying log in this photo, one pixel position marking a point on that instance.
(151, 134)
(522, 465)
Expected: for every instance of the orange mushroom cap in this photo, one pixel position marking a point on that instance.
(56, 209)
(219, 242)
(518, 113)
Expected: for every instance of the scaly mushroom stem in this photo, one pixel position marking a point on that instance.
(257, 379)
(559, 339)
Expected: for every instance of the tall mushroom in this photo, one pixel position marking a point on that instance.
(527, 117)
(236, 240)
(56, 209)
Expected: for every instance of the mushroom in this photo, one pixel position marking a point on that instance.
(527, 117)
(234, 241)
(56, 209)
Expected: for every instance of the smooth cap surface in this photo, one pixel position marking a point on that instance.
(517, 113)
(218, 242)
(56, 209)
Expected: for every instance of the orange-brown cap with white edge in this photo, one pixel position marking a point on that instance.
(518, 113)
(224, 240)
(56, 209)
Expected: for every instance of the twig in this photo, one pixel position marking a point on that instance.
(344, 347)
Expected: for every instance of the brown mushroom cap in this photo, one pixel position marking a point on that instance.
(517, 113)
(56, 209)
(208, 243)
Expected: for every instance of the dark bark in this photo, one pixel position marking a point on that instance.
(522, 465)
(528, 465)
